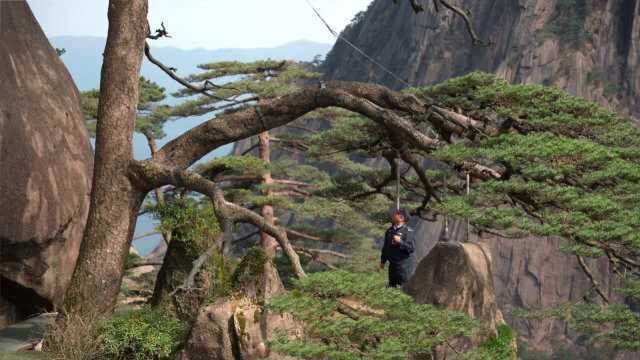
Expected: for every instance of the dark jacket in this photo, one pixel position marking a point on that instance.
(400, 252)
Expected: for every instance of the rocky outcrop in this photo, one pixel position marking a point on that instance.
(239, 327)
(458, 276)
(232, 329)
(211, 336)
(45, 168)
(528, 273)
(589, 47)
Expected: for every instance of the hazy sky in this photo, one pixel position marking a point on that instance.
(210, 24)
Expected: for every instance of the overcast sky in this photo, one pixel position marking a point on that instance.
(210, 24)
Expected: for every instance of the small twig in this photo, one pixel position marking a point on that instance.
(247, 237)
(197, 266)
(378, 187)
(418, 8)
(253, 147)
(162, 32)
(593, 281)
(316, 252)
(151, 233)
(446, 341)
(292, 182)
(172, 74)
(149, 263)
(465, 17)
(307, 236)
(414, 4)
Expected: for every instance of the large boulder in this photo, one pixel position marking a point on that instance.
(458, 276)
(237, 328)
(240, 326)
(45, 168)
(211, 335)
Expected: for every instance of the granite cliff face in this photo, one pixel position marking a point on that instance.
(589, 47)
(45, 168)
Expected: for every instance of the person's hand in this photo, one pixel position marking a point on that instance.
(381, 266)
(397, 239)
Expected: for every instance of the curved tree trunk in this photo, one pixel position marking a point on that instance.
(115, 201)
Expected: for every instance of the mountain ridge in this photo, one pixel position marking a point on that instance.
(590, 48)
(83, 58)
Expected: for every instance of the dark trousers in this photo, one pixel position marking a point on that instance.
(398, 272)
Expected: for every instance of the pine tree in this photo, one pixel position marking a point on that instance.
(542, 162)
(150, 121)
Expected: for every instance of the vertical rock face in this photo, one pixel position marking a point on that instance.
(45, 168)
(589, 47)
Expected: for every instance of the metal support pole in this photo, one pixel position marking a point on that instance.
(398, 184)
(468, 193)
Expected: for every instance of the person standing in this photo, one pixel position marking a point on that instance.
(399, 244)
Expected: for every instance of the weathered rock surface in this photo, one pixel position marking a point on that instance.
(232, 329)
(45, 168)
(210, 337)
(240, 327)
(528, 273)
(458, 276)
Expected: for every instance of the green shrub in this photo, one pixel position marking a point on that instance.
(498, 346)
(132, 260)
(141, 335)
(285, 270)
(251, 266)
(350, 315)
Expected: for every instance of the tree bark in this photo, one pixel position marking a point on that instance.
(268, 242)
(115, 201)
(158, 192)
(376, 102)
(270, 279)
(149, 174)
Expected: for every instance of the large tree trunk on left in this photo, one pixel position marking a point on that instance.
(115, 201)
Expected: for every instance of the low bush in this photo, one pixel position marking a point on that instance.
(144, 334)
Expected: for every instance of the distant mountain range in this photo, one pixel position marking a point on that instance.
(83, 58)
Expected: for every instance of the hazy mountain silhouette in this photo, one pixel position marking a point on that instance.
(83, 58)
